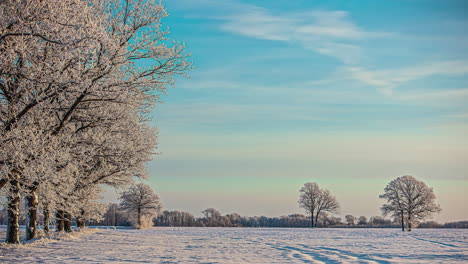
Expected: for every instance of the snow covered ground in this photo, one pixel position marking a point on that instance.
(243, 245)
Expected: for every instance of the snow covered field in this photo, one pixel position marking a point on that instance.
(243, 245)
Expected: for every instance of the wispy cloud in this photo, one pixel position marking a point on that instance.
(261, 23)
(387, 80)
(327, 32)
(331, 33)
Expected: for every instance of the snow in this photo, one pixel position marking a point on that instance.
(248, 245)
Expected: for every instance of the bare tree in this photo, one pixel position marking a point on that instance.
(315, 201)
(234, 218)
(350, 219)
(409, 200)
(362, 220)
(141, 204)
(212, 216)
(175, 218)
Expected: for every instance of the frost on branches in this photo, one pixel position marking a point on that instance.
(77, 81)
(409, 200)
(141, 204)
(315, 201)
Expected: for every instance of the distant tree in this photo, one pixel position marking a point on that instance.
(429, 224)
(459, 224)
(336, 220)
(141, 204)
(315, 201)
(114, 216)
(410, 200)
(234, 218)
(224, 221)
(325, 220)
(378, 221)
(295, 220)
(175, 218)
(213, 217)
(362, 220)
(350, 219)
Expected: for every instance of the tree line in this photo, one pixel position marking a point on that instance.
(78, 80)
(140, 207)
(407, 200)
(116, 216)
(177, 218)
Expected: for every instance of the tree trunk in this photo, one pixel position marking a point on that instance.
(31, 220)
(12, 235)
(139, 219)
(115, 216)
(409, 222)
(60, 221)
(402, 222)
(46, 220)
(80, 220)
(312, 220)
(67, 222)
(80, 223)
(316, 218)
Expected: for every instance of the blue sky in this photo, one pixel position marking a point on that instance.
(350, 94)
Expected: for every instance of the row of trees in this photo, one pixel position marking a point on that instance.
(178, 218)
(139, 205)
(77, 81)
(362, 221)
(116, 215)
(407, 199)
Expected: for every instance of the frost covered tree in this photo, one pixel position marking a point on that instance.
(141, 204)
(379, 221)
(316, 201)
(350, 219)
(61, 62)
(212, 216)
(175, 218)
(113, 215)
(409, 200)
(326, 219)
(234, 218)
(111, 154)
(362, 220)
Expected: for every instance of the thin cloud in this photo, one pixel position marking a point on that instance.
(330, 33)
(387, 80)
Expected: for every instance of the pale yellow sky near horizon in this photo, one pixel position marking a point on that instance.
(262, 176)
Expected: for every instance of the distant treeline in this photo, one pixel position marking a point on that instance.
(213, 218)
(115, 216)
(433, 224)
